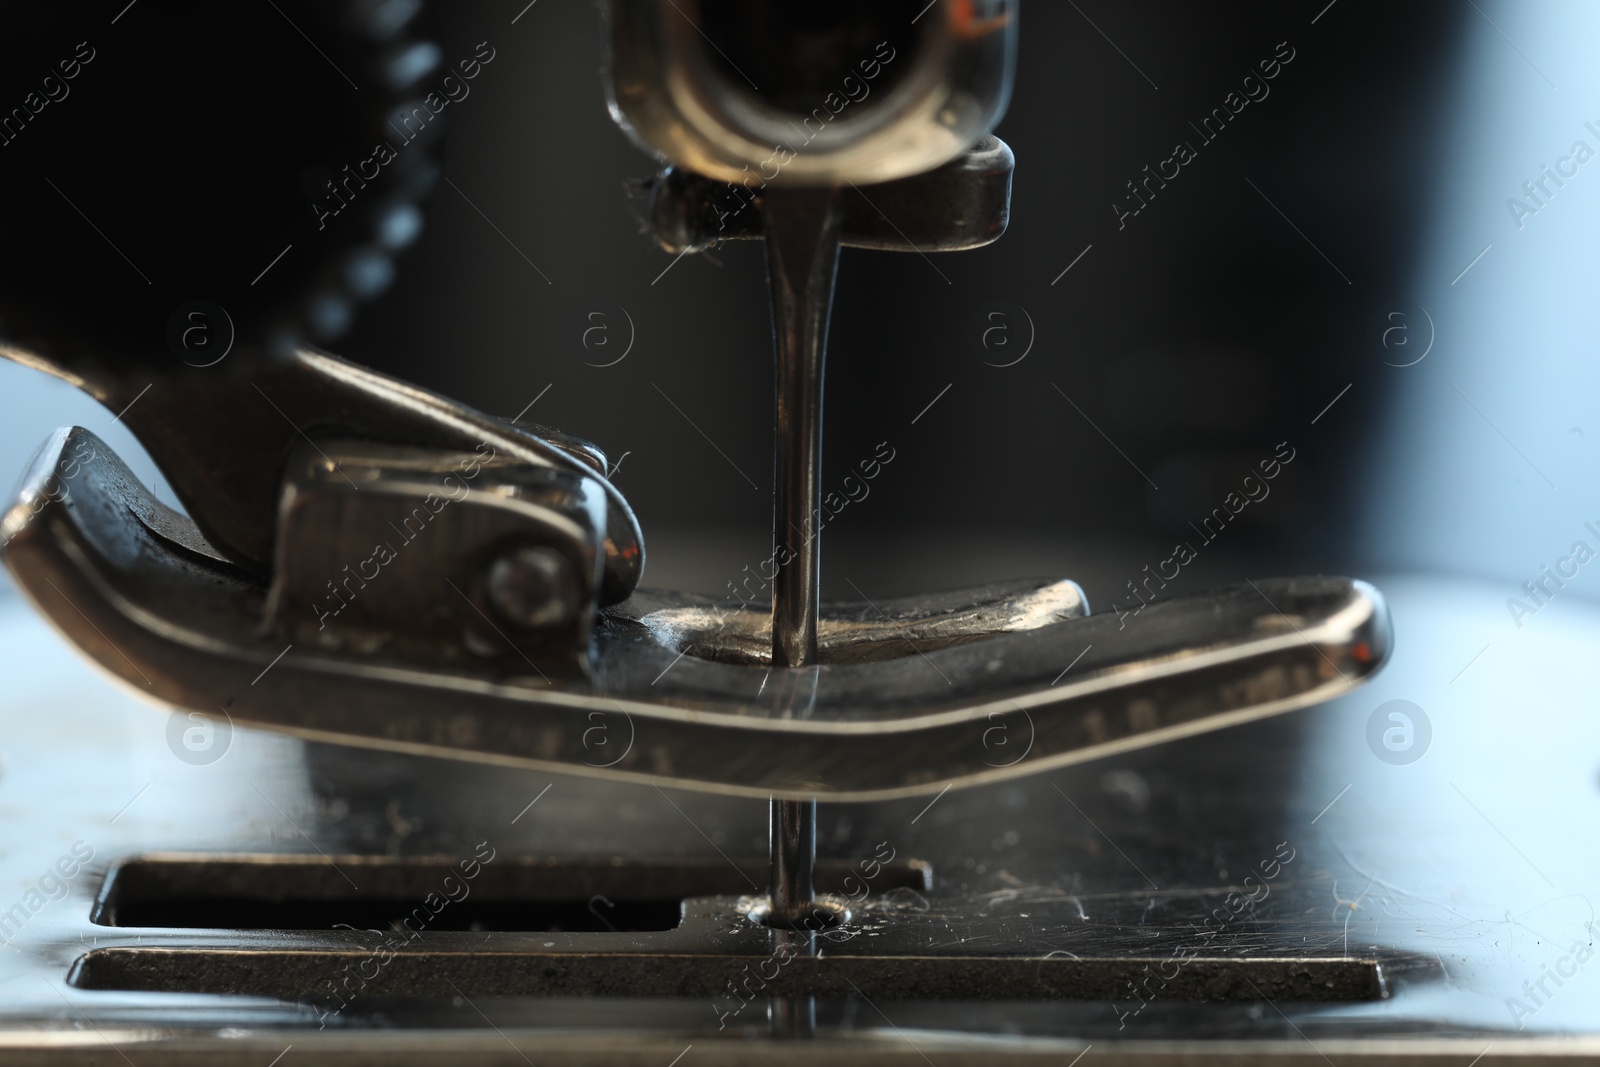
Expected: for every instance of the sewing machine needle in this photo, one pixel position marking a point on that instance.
(802, 232)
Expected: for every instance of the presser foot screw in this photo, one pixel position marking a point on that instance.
(533, 587)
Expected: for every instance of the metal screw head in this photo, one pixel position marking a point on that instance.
(534, 587)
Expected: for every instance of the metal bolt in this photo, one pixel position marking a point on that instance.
(534, 587)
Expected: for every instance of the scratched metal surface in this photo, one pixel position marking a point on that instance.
(1474, 862)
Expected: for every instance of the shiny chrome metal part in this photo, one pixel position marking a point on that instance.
(791, 875)
(699, 945)
(363, 527)
(134, 586)
(721, 86)
(222, 437)
(860, 633)
(964, 204)
(802, 260)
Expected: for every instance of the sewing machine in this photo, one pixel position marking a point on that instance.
(442, 774)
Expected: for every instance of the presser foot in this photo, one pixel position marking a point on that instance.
(910, 695)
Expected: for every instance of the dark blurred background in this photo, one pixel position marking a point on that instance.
(1257, 288)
